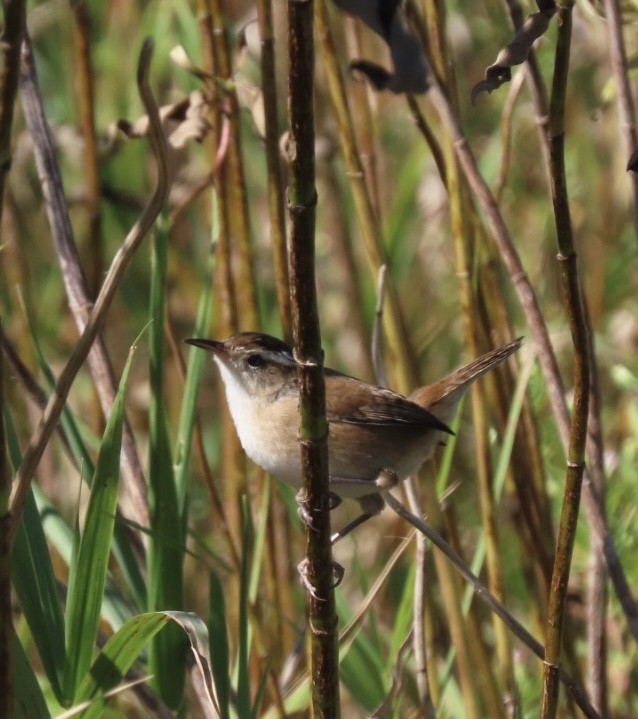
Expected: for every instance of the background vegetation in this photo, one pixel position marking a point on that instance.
(201, 540)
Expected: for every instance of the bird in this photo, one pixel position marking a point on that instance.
(376, 437)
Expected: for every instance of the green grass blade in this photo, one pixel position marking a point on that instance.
(88, 574)
(194, 370)
(126, 646)
(502, 465)
(403, 619)
(37, 590)
(29, 700)
(34, 581)
(243, 682)
(117, 657)
(218, 633)
(361, 665)
(167, 522)
(115, 609)
(121, 546)
(261, 688)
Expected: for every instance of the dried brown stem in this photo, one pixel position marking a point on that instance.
(111, 283)
(419, 611)
(74, 280)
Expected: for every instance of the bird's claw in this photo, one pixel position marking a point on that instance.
(302, 569)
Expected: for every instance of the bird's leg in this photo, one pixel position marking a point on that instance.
(371, 504)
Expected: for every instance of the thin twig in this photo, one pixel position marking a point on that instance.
(484, 595)
(120, 262)
(592, 502)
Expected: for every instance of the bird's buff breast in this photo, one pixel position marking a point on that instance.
(271, 444)
(268, 432)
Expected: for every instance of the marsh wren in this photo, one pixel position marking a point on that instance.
(377, 437)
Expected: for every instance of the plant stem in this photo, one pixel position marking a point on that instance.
(275, 187)
(75, 284)
(51, 414)
(578, 325)
(313, 431)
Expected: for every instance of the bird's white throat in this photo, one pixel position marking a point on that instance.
(252, 416)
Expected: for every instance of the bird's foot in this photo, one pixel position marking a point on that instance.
(305, 512)
(302, 569)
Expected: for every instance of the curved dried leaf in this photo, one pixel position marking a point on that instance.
(515, 52)
(182, 121)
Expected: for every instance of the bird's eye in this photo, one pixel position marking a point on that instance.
(255, 361)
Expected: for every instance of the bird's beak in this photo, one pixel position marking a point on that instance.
(214, 346)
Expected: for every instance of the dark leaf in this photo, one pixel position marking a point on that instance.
(387, 19)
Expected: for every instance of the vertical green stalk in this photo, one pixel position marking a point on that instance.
(572, 295)
(167, 657)
(276, 204)
(313, 430)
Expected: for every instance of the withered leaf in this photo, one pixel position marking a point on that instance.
(516, 51)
